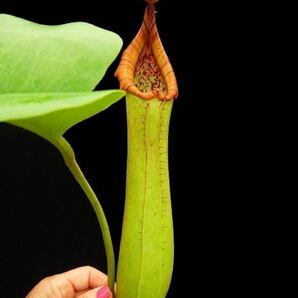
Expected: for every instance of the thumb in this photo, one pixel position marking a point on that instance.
(101, 292)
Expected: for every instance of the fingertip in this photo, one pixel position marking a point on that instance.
(104, 292)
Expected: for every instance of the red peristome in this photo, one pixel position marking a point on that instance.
(145, 69)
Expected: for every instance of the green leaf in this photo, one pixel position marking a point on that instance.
(38, 58)
(47, 74)
(51, 114)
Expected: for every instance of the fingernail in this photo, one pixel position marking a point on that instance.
(104, 292)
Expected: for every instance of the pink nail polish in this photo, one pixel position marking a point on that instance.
(104, 292)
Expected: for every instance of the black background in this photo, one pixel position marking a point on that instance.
(46, 223)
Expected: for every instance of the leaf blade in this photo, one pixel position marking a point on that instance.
(51, 114)
(63, 58)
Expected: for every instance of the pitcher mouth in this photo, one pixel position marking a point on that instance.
(145, 69)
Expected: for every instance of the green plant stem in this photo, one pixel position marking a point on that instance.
(69, 158)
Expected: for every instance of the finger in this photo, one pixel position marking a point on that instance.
(53, 286)
(101, 292)
(84, 278)
(66, 284)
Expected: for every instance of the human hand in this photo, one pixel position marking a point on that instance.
(82, 282)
